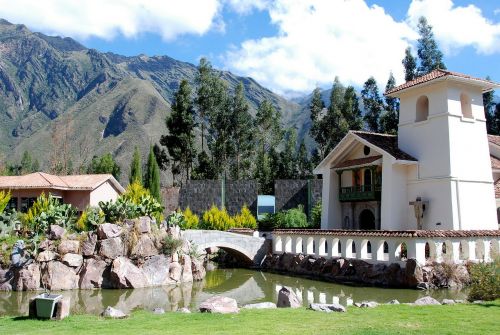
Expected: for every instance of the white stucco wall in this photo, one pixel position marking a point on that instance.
(105, 192)
(331, 210)
(394, 197)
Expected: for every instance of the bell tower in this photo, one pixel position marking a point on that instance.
(442, 124)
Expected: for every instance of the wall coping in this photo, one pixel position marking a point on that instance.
(390, 233)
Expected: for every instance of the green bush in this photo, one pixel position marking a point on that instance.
(287, 219)
(145, 203)
(90, 218)
(118, 210)
(4, 200)
(316, 216)
(245, 219)
(48, 211)
(8, 222)
(485, 281)
(217, 219)
(171, 245)
(191, 220)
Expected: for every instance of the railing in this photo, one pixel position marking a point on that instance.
(390, 246)
(360, 193)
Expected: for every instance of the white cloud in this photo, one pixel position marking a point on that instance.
(456, 27)
(106, 19)
(246, 6)
(321, 39)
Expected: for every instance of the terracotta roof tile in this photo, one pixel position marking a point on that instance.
(357, 162)
(433, 75)
(391, 233)
(495, 162)
(494, 139)
(497, 188)
(388, 143)
(45, 180)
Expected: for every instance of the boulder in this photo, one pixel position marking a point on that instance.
(124, 274)
(287, 298)
(46, 245)
(46, 256)
(184, 310)
(108, 230)
(27, 278)
(88, 246)
(69, 246)
(198, 269)
(448, 302)
(111, 248)
(144, 247)
(367, 304)
(73, 260)
(57, 276)
(144, 225)
(156, 269)
(175, 271)
(219, 304)
(261, 305)
(426, 301)
(328, 308)
(62, 308)
(93, 274)
(413, 273)
(393, 302)
(113, 313)
(56, 232)
(187, 274)
(158, 310)
(174, 231)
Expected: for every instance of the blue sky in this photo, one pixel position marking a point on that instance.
(288, 46)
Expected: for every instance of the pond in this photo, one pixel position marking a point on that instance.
(246, 286)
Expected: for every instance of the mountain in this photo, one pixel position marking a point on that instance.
(55, 93)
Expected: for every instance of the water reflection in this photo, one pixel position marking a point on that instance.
(246, 286)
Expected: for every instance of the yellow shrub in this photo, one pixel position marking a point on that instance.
(217, 219)
(134, 192)
(4, 200)
(245, 219)
(191, 220)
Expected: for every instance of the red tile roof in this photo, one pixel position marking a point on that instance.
(388, 143)
(45, 180)
(357, 162)
(435, 74)
(391, 233)
(497, 188)
(495, 162)
(494, 139)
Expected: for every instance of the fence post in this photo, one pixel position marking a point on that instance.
(309, 199)
(223, 192)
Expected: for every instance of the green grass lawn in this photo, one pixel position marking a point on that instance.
(386, 319)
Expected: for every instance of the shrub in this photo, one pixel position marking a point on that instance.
(4, 200)
(485, 281)
(145, 203)
(171, 245)
(291, 218)
(175, 218)
(245, 219)
(316, 215)
(8, 222)
(134, 192)
(48, 211)
(90, 218)
(191, 220)
(217, 219)
(119, 210)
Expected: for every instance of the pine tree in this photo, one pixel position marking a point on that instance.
(373, 104)
(263, 172)
(152, 176)
(316, 107)
(492, 124)
(287, 167)
(180, 139)
(430, 56)
(242, 134)
(26, 163)
(135, 168)
(350, 109)
(205, 168)
(410, 65)
(390, 118)
(334, 125)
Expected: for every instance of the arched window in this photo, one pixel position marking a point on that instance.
(422, 109)
(466, 106)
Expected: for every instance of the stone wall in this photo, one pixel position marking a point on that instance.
(170, 196)
(292, 193)
(200, 195)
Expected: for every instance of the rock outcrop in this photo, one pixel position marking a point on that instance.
(287, 298)
(219, 304)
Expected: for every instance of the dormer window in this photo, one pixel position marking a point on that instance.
(466, 106)
(422, 109)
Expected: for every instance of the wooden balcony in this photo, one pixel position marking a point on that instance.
(360, 193)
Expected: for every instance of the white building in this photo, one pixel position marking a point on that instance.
(440, 156)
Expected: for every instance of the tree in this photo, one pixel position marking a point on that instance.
(104, 165)
(135, 168)
(180, 125)
(430, 56)
(410, 65)
(316, 107)
(263, 173)
(161, 157)
(390, 118)
(304, 166)
(373, 104)
(242, 134)
(152, 176)
(287, 164)
(205, 169)
(350, 109)
(492, 122)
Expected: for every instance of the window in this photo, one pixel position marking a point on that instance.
(466, 106)
(367, 180)
(26, 204)
(422, 109)
(366, 150)
(12, 204)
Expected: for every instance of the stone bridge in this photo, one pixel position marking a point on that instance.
(248, 249)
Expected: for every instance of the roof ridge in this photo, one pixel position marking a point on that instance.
(371, 133)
